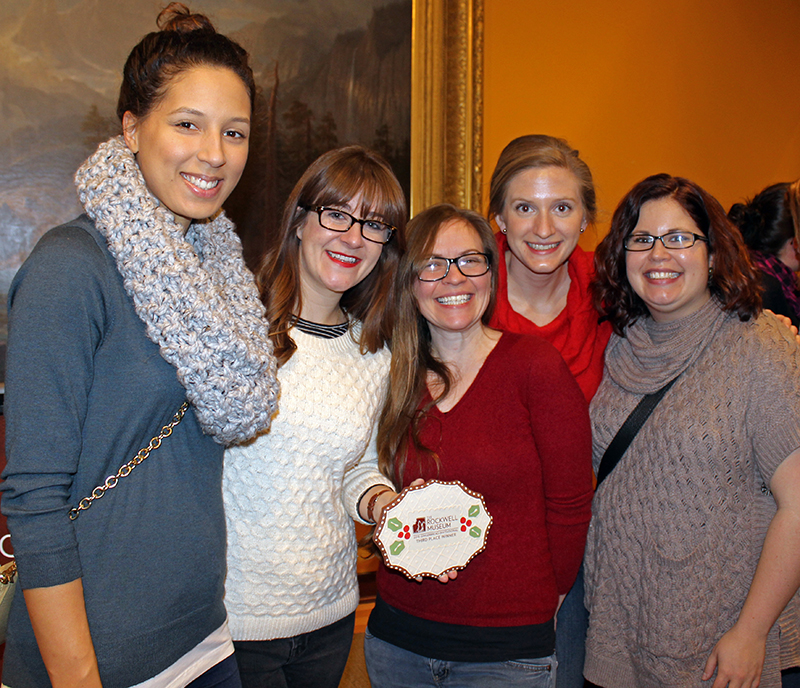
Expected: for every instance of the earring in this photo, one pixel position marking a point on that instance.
(710, 274)
(504, 231)
(583, 228)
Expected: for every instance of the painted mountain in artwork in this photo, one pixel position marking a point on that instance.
(343, 73)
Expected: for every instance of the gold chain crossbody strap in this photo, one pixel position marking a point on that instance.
(125, 469)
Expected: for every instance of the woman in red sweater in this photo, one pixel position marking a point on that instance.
(542, 197)
(468, 402)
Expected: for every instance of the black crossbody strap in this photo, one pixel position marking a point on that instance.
(628, 431)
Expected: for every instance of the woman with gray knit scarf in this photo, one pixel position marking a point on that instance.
(693, 554)
(138, 349)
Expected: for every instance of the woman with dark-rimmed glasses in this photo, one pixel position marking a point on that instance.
(502, 413)
(693, 554)
(291, 495)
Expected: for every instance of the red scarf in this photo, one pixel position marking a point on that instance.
(575, 332)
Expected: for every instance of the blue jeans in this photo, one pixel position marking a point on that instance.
(389, 666)
(221, 675)
(572, 622)
(310, 660)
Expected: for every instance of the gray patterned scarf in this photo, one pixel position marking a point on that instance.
(197, 299)
(651, 354)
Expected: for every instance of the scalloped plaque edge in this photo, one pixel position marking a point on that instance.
(427, 574)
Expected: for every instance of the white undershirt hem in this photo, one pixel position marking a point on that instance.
(206, 654)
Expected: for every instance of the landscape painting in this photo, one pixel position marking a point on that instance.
(330, 73)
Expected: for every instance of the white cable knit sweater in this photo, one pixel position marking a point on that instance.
(291, 494)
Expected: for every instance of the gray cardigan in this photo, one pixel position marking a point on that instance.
(85, 390)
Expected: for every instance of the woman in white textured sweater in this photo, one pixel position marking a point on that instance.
(291, 494)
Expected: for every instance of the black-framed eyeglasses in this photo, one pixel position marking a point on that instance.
(340, 221)
(470, 265)
(672, 241)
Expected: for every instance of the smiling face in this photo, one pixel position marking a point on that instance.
(192, 146)
(455, 303)
(543, 217)
(672, 284)
(333, 262)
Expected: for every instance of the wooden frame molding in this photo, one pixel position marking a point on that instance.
(446, 103)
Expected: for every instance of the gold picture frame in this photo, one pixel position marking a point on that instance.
(446, 103)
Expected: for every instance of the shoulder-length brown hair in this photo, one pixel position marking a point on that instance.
(733, 281)
(335, 178)
(412, 356)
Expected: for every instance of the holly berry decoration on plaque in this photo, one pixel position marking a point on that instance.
(433, 528)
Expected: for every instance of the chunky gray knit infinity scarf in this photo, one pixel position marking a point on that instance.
(197, 299)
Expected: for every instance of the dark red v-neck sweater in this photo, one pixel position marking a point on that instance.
(520, 435)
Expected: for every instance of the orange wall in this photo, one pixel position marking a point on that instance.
(705, 89)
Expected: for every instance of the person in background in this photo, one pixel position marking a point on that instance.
(291, 494)
(770, 223)
(115, 319)
(693, 555)
(542, 198)
(502, 413)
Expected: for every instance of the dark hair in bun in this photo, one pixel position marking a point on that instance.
(185, 40)
(765, 221)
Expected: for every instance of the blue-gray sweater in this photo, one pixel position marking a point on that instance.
(85, 390)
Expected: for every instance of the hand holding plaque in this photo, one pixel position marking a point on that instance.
(433, 528)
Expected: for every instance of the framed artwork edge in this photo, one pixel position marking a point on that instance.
(446, 103)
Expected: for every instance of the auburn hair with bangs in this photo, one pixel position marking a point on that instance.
(334, 179)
